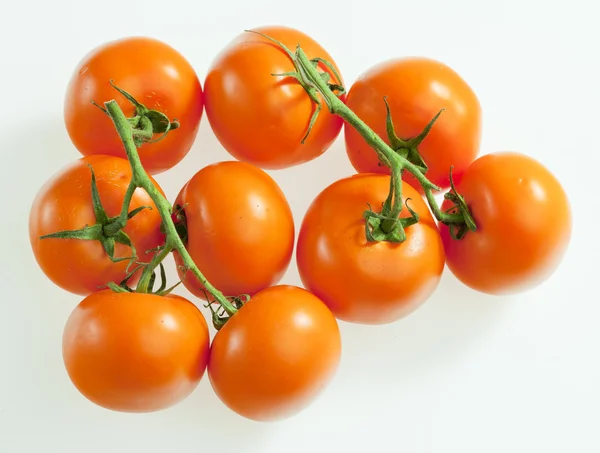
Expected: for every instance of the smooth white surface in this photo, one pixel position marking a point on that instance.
(466, 373)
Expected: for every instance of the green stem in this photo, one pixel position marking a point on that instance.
(114, 227)
(158, 258)
(386, 154)
(389, 224)
(164, 208)
(438, 213)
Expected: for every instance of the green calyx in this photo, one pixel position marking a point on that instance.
(460, 209)
(408, 149)
(384, 226)
(304, 78)
(107, 230)
(145, 123)
(222, 314)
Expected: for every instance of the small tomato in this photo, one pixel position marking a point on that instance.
(135, 352)
(261, 118)
(64, 202)
(523, 221)
(276, 355)
(416, 89)
(156, 75)
(361, 281)
(239, 227)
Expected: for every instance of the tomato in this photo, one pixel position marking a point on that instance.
(367, 282)
(523, 220)
(135, 352)
(152, 72)
(416, 89)
(240, 229)
(260, 118)
(276, 355)
(64, 202)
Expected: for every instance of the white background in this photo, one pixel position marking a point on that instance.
(466, 373)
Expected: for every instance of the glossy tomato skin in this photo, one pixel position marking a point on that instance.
(417, 89)
(240, 228)
(260, 118)
(367, 282)
(156, 75)
(64, 202)
(133, 352)
(276, 355)
(523, 219)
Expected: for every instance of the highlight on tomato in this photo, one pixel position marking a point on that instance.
(416, 90)
(135, 352)
(275, 355)
(261, 118)
(524, 225)
(361, 281)
(155, 74)
(65, 203)
(238, 228)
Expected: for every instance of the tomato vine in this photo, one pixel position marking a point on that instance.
(385, 224)
(141, 179)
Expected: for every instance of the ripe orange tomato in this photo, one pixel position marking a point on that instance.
(260, 118)
(367, 282)
(134, 352)
(64, 202)
(276, 355)
(152, 72)
(416, 89)
(240, 229)
(523, 220)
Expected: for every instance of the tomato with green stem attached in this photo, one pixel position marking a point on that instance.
(158, 76)
(416, 90)
(135, 352)
(524, 224)
(363, 281)
(65, 203)
(275, 355)
(238, 228)
(258, 111)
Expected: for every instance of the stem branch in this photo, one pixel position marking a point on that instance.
(438, 213)
(391, 222)
(144, 282)
(114, 227)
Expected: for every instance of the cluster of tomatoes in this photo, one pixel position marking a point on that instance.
(135, 350)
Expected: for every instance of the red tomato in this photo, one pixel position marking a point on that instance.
(523, 223)
(276, 355)
(260, 118)
(416, 89)
(240, 228)
(64, 202)
(134, 352)
(152, 72)
(367, 282)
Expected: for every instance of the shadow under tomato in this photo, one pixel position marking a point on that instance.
(205, 411)
(441, 332)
